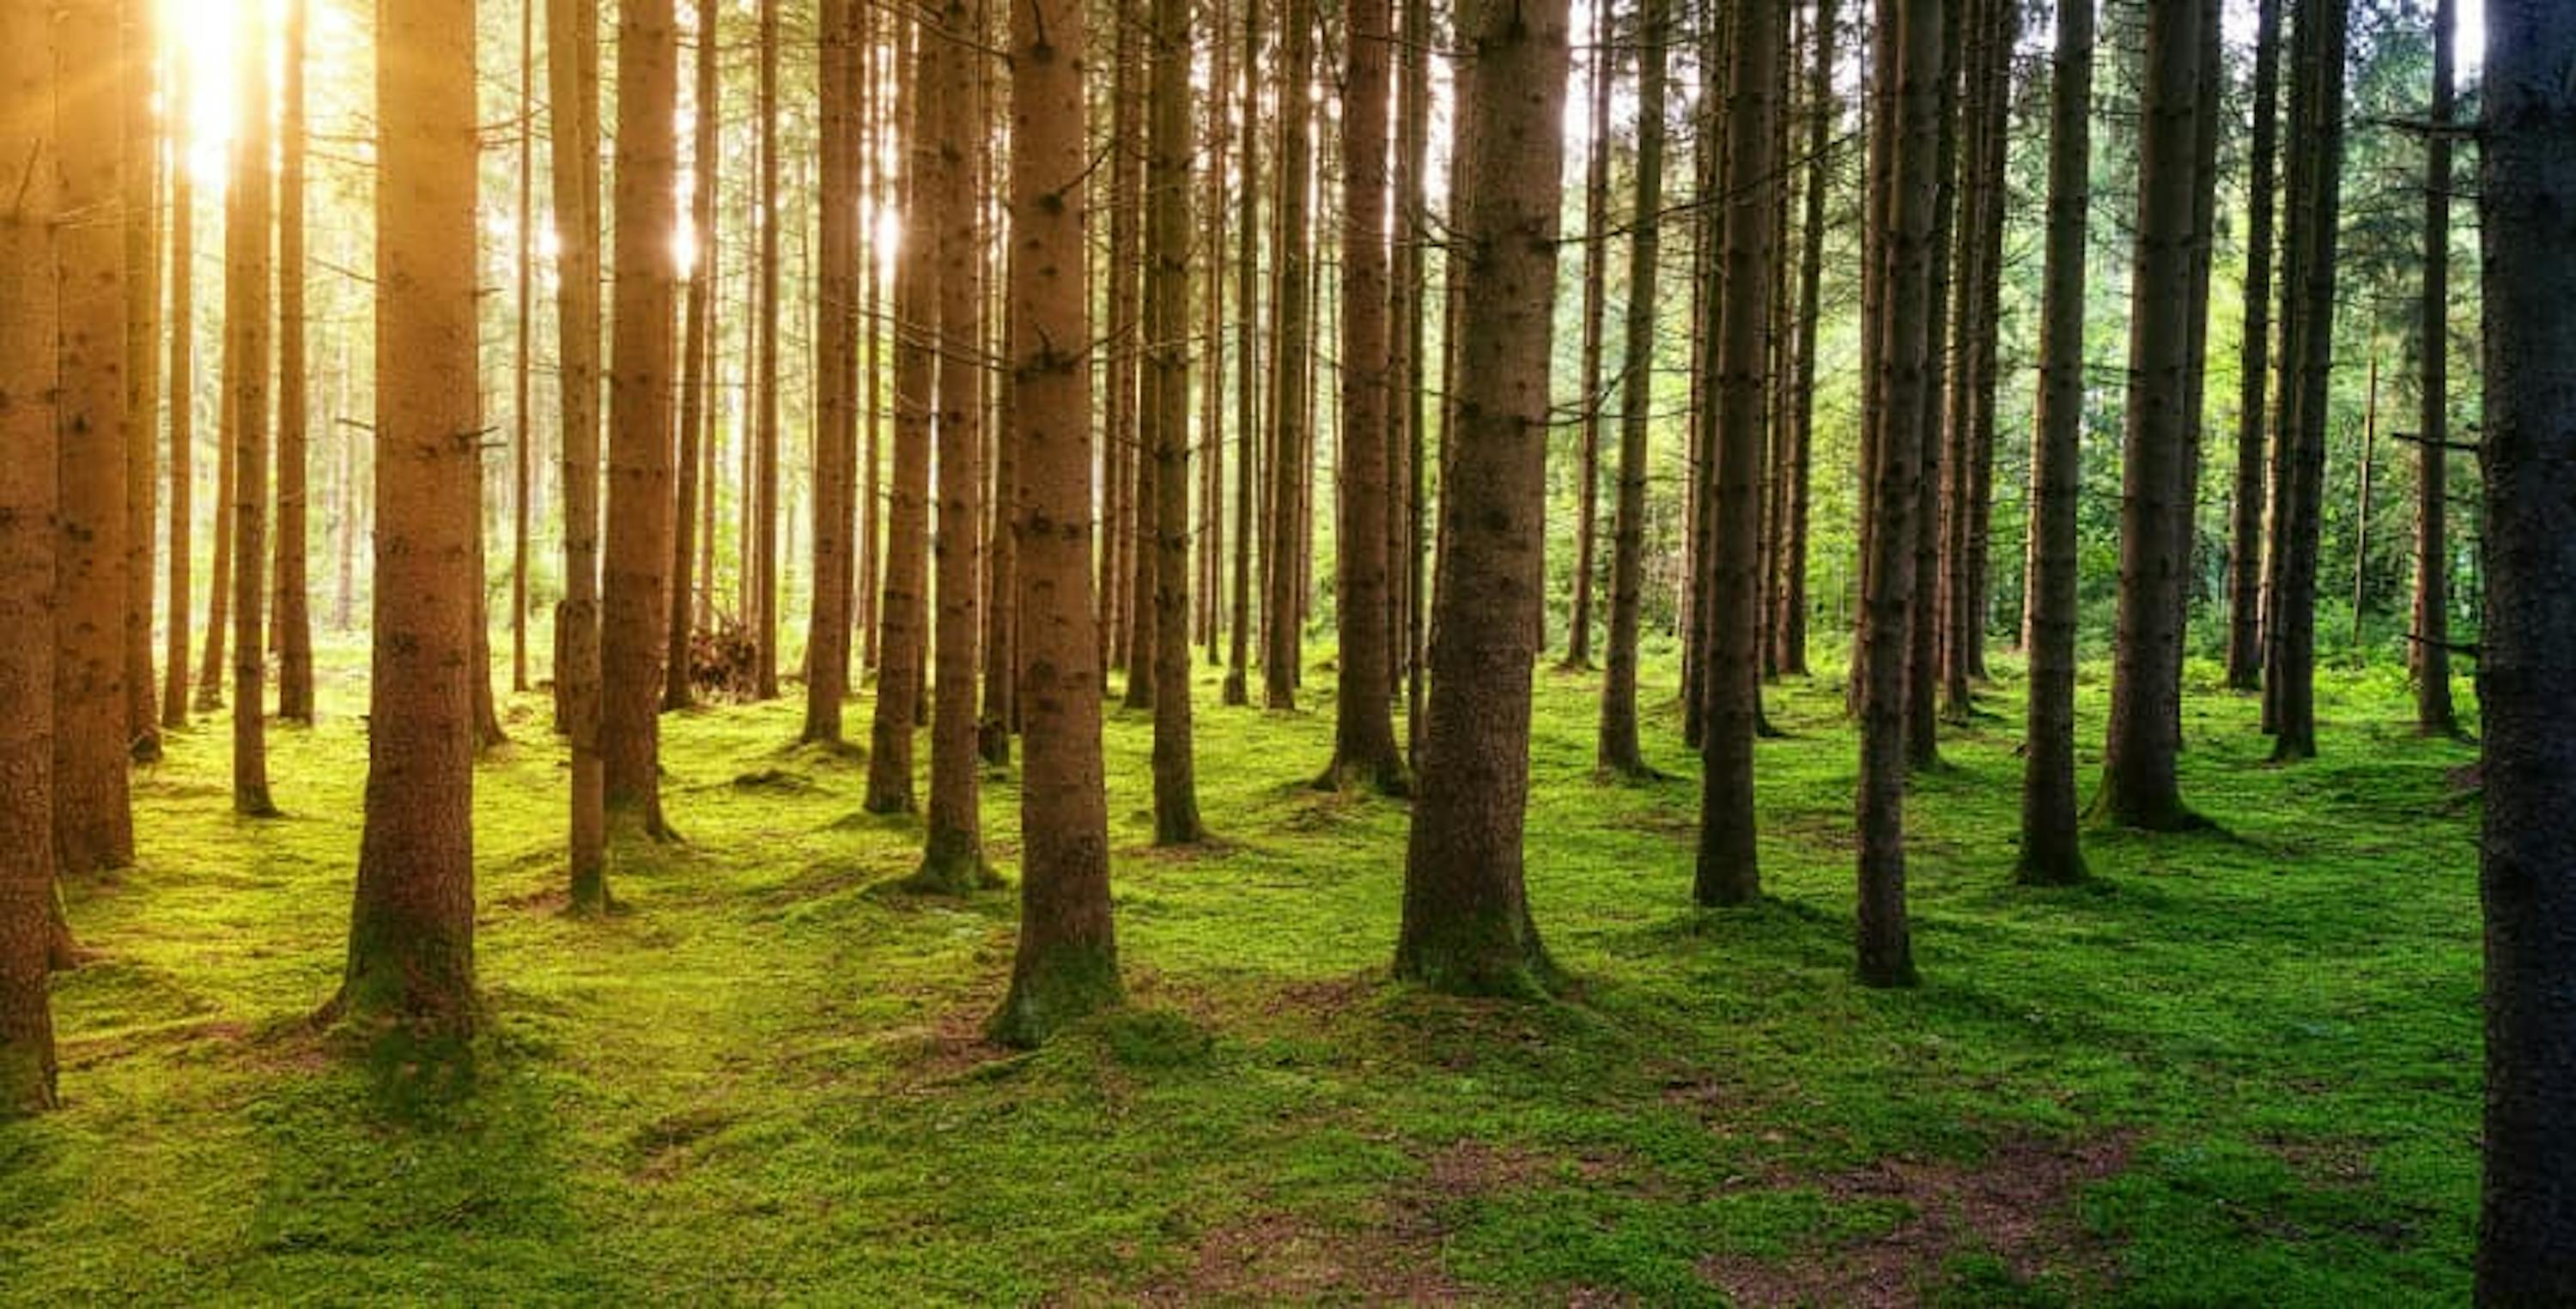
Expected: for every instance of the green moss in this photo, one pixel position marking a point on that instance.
(765, 1055)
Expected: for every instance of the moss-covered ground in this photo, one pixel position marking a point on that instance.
(2240, 1068)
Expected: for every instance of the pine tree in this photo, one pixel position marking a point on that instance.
(1286, 541)
(572, 80)
(2433, 712)
(293, 634)
(142, 184)
(1616, 749)
(248, 303)
(902, 605)
(1166, 413)
(689, 580)
(2254, 357)
(827, 642)
(1599, 65)
(183, 428)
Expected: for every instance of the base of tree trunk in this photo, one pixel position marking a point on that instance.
(2112, 807)
(2051, 868)
(1066, 985)
(993, 744)
(1464, 956)
(1236, 693)
(1387, 777)
(953, 867)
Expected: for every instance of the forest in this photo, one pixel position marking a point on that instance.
(1552, 652)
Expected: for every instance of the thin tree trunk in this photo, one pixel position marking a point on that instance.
(762, 581)
(183, 426)
(835, 472)
(1789, 604)
(697, 360)
(1288, 545)
(142, 185)
(2432, 635)
(1413, 234)
(1617, 749)
(1166, 428)
(901, 608)
(293, 637)
(523, 323)
(572, 81)
(1000, 716)
(1211, 528)
(1247, 403)
(247, 306)
(2245, 535)
(1123, 177)
(1599, 64)
(219, 592)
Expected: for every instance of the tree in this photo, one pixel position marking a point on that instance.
(953, 852)
(901, 605)
(1287, 544)
(1729, 872)
(93, 815)
(697, 365)
(1166, 426)
(2138, 782)
(183, 427)
(2307, 359)
(760, 582)
(524, 325)
(1067, 962)
(411, 934)
(2433, 713)
(248, 279)
(142, 179)
(2527, 865)
(1598, 65)
(636, 591)
(1364, 748)
(2245, 522)
(1617, 749)
(1467, 925)
(836, 431)
(30, 285)
(2050, 851)
(293, 637)
(572, 80)
(1904, 304)
(1247, 390)
(1788, 625)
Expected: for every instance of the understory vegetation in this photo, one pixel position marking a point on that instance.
(2240, 1066)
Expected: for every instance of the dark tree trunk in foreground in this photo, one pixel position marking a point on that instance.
(1166, 429)
(1364, 748)
(1467, 925)
(902, 604)
(2307, 360)
(1067, 963)
(1617, 749)
(572, 82)
(2527, 677)
(2254, 356)
(636, 586)
(2050, 850)
(1906, 305)
(2433, 713)
(1729, 872)
(248, 277)
(30, 287)
(293, 637)
(953, 852)
(2138, 760)
(411, 936)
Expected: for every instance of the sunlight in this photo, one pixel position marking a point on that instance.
(204, 35)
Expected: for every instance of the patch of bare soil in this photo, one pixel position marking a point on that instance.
(2017, 1206)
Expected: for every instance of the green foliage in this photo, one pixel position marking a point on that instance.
(2241, 1067)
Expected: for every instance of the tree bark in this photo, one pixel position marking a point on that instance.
(1789, 602)
(1617, 749)
(1599, 65)
(183, 427)
(1247, 411)
(1282, 629)
(572, 80)
(761, 584)
(523, 355)
(2245, 532)
(697, 361)
(2433, 712)
(836, 433)
(1166, 428)
(142, 186)
(293, 636)
(1467, 925)
(248, 283)
(901, 609)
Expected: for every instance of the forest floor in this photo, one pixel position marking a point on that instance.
(2241, 1067)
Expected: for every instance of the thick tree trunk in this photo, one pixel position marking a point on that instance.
(1617, 749)
(2432, 636)
(1067, 962)
(2050, 851)
(1287, 545)
(2245, 524)
(293, 637)
(142, 184)
(411, 935)
(635, 588)
(1467, 925)
(248, 275)
(902, 606)
(30, 285)
(2527, 676)
(1166, 428)
(572, 81)
(697, 364)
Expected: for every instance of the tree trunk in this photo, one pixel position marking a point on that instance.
(1906, 306)
(1247, 403)
(1599, 64)
(183, 427)
(1067, 961)
(2432, 636)
(2050, 850)
(293, 636)
(2245, 533)
(572, 82)
(761, 584)
(142, 178)
(248, 277)
(1923, 666)
(1211, 521)
(1617, 749)
(1413, 236)
(523, 323)
(37, 120)
(635, 588)
(901, 606)
(1789, 603)
(1166, 428)
(219, 592)
(697, 361)
(411, 936)
(1282, 631)
(1467, 925)
(1121, 177)
(836, 433)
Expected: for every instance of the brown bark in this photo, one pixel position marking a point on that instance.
(697, 365)
(1247, 411)
(1287, 544)
(1467, 925)
(1166, 426)
(411, 935)
(523, 327)
(1789, 600)
(760, 582)
(835, 477)
(1617, 749)
(183, 428)
(293, 635)
(1122, 176)
(902, 603)
(142, 179)
(635, 589)
(2245, 535)
(1599, 64)
(572, 79)
(219, 592)
(2432, 636)
(248, 275)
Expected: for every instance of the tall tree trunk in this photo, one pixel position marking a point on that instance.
(1413, 236)
(697, 361)
(523, 324)
(1211, 528)
(1729, 872)
(1922, 672)
(1247, 404)
(2527, 864)
(836, 433)
(1467, 925)
(635, 589)
(902, 605)
(1953, 624)
(248, 275)
(2307, 356)
(2050, 850)
(761, 583)
(1067, 962)
(2433, 713)
(572, 82)
(1123, 176)
(1143, 525)
(1789, 603)
(1617, 748)
(31, 241)
(1906, 306)
(1282, 632)
(183, 422)
(219, 592)
(142, 187)
(2245, 533)
(411, 935)
(1599, 64)
(293, 636)
(1364, 748)
(93, 816)
(1166, 428)
(953, 853)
